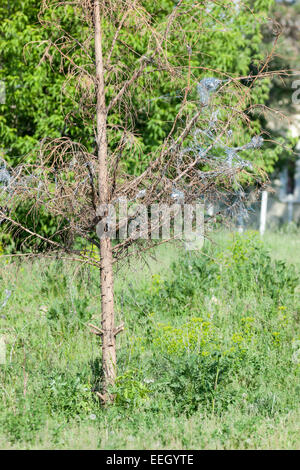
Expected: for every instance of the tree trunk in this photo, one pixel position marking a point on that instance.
(109, 360)
(106, 264)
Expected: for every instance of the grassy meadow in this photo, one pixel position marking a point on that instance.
(209, 359)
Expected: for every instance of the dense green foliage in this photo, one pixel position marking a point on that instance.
(209, 357)
(35, 105)
(38, 103)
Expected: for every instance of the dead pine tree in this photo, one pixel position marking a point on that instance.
(203, 155)
(109, 332)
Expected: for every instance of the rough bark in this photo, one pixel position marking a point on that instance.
(106, 265)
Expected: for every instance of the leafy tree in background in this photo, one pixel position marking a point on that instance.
(35, 107)
(38, 102)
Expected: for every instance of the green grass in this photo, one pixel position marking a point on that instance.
(209, 358)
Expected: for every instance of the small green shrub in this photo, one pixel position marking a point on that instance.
(194, 336)
(129, 390)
